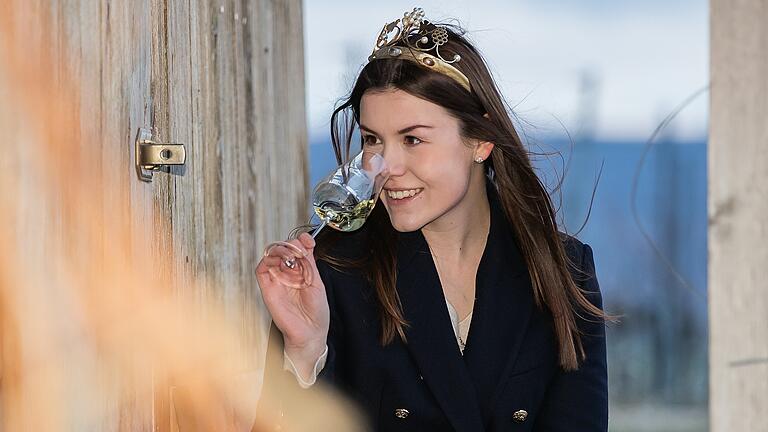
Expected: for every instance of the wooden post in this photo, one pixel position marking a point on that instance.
(224, 78)
(738, 216)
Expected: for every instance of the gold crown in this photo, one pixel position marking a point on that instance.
(413, 39)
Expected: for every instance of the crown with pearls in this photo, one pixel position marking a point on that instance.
(414, 37)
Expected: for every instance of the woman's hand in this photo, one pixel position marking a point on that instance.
(301, 313)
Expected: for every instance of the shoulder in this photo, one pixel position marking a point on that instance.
(579, 254)
(576, 250)
(582, 266)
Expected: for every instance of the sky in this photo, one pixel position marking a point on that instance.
(612, 70)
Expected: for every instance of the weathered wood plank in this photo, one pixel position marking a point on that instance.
(738, 226)
(235, 97)
(97, 54)
(224, 78)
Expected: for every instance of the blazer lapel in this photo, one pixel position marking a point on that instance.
(503, 307)
(430, 337)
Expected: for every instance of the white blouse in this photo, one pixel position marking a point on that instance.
(460, 330)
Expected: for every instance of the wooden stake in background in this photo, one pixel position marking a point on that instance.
(738, 216)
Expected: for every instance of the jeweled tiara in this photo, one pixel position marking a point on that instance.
(413, 39)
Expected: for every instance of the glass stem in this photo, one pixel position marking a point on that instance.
(322, 225)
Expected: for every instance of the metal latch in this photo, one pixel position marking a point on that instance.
(153, 156)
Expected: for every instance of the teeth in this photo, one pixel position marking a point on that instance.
(402, 194)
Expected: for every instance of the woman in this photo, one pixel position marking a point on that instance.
(459, 305)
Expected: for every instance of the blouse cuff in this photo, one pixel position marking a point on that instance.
(319, 364)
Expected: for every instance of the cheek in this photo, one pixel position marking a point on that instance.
(445, 174)
(445, 177)
(447, 187)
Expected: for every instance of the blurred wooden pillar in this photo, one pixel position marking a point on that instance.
(226, 79)
(738, 216)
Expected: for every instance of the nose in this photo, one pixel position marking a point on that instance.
(395, 159)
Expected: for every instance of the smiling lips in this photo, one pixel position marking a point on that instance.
(401, 194)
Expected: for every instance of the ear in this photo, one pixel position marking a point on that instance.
(483, 150)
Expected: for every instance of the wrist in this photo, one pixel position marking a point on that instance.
(307, 352)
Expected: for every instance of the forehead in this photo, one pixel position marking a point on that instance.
(396, 109)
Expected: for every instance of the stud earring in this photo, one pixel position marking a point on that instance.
(479, 160)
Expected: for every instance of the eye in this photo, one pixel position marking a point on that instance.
(412, 140)
(370, 140)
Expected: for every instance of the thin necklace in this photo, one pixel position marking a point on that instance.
(462, 342)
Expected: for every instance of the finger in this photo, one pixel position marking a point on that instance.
(266, 263)
(307, 244)
(296, 249)
(289, 274)
(307, 241)
(291, 280)
(292, 248)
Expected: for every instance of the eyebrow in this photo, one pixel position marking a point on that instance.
(401, 131)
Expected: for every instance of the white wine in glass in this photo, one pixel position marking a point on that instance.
(342, 200)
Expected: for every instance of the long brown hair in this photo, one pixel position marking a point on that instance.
(524, 198)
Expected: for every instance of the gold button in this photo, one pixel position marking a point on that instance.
(401, 413)
(520, 416)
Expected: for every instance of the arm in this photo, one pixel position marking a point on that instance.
(306, 380)
(578, 400)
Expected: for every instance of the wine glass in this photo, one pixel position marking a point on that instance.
(342, 200)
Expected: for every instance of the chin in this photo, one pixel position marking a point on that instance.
(406, 224)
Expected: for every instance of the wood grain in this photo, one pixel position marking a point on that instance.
(224, 78)
(738, 226)
(234, 94)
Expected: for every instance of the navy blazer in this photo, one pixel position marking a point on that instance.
(508, 378)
